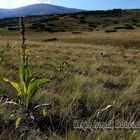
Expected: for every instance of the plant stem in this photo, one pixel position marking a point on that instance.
(24, 55)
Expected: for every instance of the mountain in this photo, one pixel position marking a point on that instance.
(36, 9)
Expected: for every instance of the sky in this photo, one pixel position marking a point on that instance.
(80, 4)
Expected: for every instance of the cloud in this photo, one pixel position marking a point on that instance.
(19, 3)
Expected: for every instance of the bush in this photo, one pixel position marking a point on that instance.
(76, 32)
(12, 28)
(52, 30)
(119, 27)
(91, 24)
(126, 26)
(33, 27)
(51, 24)
(129, 27)
(83, 21)
(50, 39)
(137, 24)
(110, 30)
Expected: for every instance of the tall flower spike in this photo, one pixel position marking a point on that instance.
(22, 30)
(24, 54)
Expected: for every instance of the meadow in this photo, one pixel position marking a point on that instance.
(94, 76)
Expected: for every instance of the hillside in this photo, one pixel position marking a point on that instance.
(115, 21)
(82, 21)
(36, 9)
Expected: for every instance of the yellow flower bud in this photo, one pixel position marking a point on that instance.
(17, 124)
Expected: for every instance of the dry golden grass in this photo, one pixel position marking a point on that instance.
(102, 69)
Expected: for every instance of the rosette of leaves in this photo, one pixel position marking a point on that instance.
(27, 87)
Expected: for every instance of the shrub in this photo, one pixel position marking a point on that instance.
(52, 30)
(91, 24)
(33, 27)
(110, 30)
(76, 32)
(50, 39)
(126, 26)
(12, 28)
(82, 21)
(137, 24)
(119, 27)
(129, 27)
(51, 24)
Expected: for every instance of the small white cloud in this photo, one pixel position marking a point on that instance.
(3, 3)
(19, 3)
(46, 1)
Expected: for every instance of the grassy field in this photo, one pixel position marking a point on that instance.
(94, 76)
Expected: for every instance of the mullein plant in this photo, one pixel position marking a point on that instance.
(28, 85)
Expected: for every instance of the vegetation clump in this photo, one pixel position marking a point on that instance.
(26, 88)
(110, 30)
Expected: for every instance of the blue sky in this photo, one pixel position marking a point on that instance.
(81, 4)
(99, 4)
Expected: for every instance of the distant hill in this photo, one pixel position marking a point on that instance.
(36, 9)
(106, 20)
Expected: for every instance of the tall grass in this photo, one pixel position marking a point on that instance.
(98, 82)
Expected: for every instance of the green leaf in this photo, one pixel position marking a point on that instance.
(31, 79)
(23, 71)
(32, 89)
(13, 84)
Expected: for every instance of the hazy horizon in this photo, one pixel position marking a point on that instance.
(79, 4)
